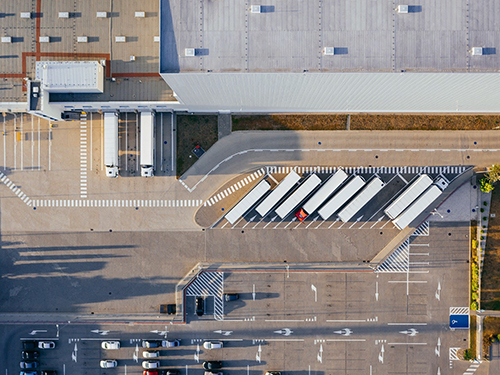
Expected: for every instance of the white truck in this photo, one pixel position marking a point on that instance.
(341, 197)
(148, 144)
(111, 143)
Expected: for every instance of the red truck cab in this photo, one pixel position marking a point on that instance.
(301, 215)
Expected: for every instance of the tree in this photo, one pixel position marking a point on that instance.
(494, 173)
(486, 187)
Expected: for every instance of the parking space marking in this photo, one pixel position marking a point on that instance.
(130, 203)
(398, 261)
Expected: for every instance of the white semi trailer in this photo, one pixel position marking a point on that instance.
(111, 143)
(148, 144)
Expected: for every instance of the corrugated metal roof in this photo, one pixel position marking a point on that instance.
(338, 92)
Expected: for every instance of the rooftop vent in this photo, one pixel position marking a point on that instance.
(328, 51)
(255, 9)
(82, 39)
(6, 39)
(63, 14)
(25, 15)
(44, 39)
(140, 14)
(190, 52)
(157, 39)
(120, 39)
(477, 51)
(402, 9)
(102, 14)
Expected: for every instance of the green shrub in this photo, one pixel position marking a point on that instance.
(473, 305)
(486, 187)
(485, 203)
(484, 226)
(482, 238)
(474, 296)
(482, 231)
(482, 209)
(474, 244)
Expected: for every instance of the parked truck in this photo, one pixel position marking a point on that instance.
(111, 143)
(148, 144)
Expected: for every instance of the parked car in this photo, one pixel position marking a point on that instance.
(28, 364)
(46, 344)
(28, 373)
(29, 355)
(212, 345)
(169, 372)
(108, 363)
(214, 373)
(212, 365)
(273, 372)
(151, 344)
(150, 364)
(49, 372)
(110, 345)
(150, 372)
(231, 296)
(152, 354)
(200, 306)
(29, 345)
(171, 343)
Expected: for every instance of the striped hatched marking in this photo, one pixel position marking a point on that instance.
(15, 189)
(422, 230)
(398, 261)
(459, 311)
(209, 284)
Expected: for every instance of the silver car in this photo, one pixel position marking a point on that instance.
(108, 363)
(150, 364)
(212, 345)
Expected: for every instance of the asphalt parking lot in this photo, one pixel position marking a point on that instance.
(326, 322)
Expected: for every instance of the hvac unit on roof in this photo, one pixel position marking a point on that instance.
(6, 39)
(63, 14)
(102, 14)
(156, 38)
(120, 39)
(25, 14)
(477, 51)
(255, 9)
(189, 52)
(44, 39)
(140, 14)
(82, 39)
(402, 9)
(328, 51)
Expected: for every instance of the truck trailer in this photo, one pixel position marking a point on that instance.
(111, 143)
(148, 144)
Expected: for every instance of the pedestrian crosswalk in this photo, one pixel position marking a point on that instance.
(361, 170)
(472, 369)
(83, 155)
(398, 261)
(209, 284)
(15, 189)
(238, 185)
(133, 203)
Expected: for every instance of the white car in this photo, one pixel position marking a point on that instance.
(46, 344)
(212, 345)
(150, 364)
(152, 354)
(110, 345)
(108, 363)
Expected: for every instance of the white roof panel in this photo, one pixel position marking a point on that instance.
(71, 76)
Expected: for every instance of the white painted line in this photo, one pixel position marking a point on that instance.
(408, 281)
(407, 324)
(355, 340)
(407, 343)
(348, 321)
(283, 339)
(284, 320)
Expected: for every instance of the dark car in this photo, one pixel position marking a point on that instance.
(30, 345)
(169, 372)
(28, 364)
(29, 355)
(212, 365)
(168, 309)
(49, 372)
(231, 296)
(151, 344)
(200, 306)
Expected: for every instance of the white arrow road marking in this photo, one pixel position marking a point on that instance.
(320, 354)
(74, 356)
(253, 292)
(344, 332)
(381, 355)
(35, 331)
(224, 333)
(57, 327)
(258, 355)
(154, 331)
(284, 331)
(135, 356)
(98, 331)
(438, 292)
(410, 332)
(439, 371)
(438, 348)
(313, 288)
(376, 291)
(197, 354)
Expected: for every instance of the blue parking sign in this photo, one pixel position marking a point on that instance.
(459, 321)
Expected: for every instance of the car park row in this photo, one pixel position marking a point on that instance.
(30, 356)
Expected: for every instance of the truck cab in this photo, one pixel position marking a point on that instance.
(111, 171)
